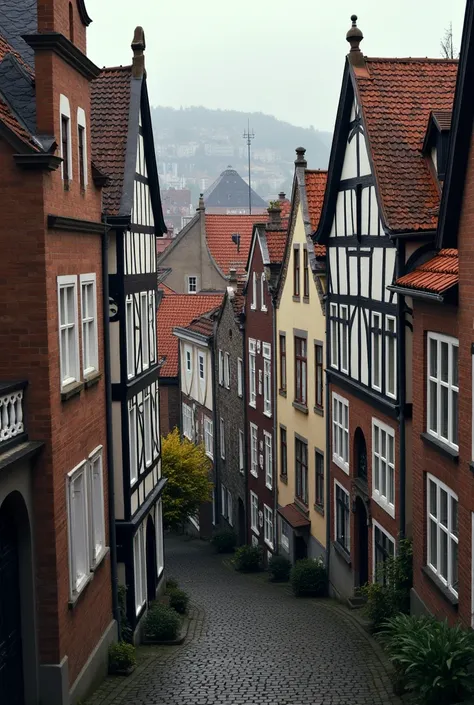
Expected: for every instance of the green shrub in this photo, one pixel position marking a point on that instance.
(248, 559)
(121, 657)
(224, 541)
(433, 659)
(279, 568)
(309, 578)
(125, 629)
(162, 623)
(179, 600)
(171, 584)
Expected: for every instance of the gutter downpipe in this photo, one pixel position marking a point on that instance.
(401, 358)
(275, 425)
(328, 444)
(108, 408)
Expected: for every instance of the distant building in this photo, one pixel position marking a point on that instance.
(229, 194)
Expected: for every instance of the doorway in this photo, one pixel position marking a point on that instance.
(362, 542)
(150, 559)
(360, 455)
(301, 548)
(242, 527)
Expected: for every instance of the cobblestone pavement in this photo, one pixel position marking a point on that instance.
(252, 643)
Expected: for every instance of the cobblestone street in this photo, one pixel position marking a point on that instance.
(251, 642)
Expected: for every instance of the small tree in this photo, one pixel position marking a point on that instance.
(448, 50)
(186, 466)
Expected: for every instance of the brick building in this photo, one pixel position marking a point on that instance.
(56, 617)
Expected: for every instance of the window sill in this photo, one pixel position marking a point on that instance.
(264, 310)
(92, 379)
(341, 464)
(302, 506)
(296, 298)
(255, 531)
(268, 414)
(209, 455)
(268, 544)
(284, 479)
(269, 487)
(74, 599)
(306, 299)
(319, 410)
(254, 406)
(254, 474)
(300, 407)
(71, 390)
(105, 552)
(282, 392)
(441, 447)
(318, 508)
(342, 552)
(383, 504)
(446, 593)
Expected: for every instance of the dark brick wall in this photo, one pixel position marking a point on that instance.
(169, 405)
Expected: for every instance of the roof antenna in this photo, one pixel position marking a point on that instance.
(249, 136)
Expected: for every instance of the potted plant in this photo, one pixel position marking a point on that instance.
(122, 659)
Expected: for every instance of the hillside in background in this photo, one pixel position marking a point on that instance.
(194, 145)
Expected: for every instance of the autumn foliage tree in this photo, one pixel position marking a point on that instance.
(186, 467)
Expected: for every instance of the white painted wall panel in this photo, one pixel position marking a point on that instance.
(374, 212)
(377, 274)
(349, 167)
(340, 221)
(364, 354)
(364, 276)
(365, 215)
(343, 283)
(333, 266)
(354, 347)
(390, 258)
(353, 277)
(364, 163)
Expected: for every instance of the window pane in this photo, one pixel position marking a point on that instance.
(433, 404)
(443, 507)
(383, 477)
(433, 558)
(455, 365)
(433, 498)
(391, 485)
(454, 517)
(433, 354)
(444, 361)
(376, 473)
(454, 417)
(443, 554)
(444, 412)
(454, 564)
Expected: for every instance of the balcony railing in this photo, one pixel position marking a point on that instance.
(12, 417)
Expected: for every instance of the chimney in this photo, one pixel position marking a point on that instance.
(281, 196)
(274, 217)
(201, 206)
(354, 36)
(300, 159)
(233, 278)
(138, 47)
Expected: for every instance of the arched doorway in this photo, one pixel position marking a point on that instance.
(11, 651)
(362, 529)
(360, 455)
(150, 559)
(242, 526)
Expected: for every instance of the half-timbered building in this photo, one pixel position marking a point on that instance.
(124, 150)
(380, 191)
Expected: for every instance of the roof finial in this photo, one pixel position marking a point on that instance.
(300, 158)
(138, 47)
(354, 37)
(201, 206)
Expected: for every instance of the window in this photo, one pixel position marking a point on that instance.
(390, 356)
(300, 371)
(221, 367)
(139, 567)
(65, 137)
(284, 535)
(96, 497)
(301, 469)
(384, 548)
(340, 432)
(344, 337)
(79, 562)
(318, 375)
(90, 351)
(339, 333)
(268, 526)
(442, 550)
(305, 274)
(188, 360)
(147, 429)
(283, 453)
(241, 451)
(82, 147)
(334, 336)
(68, 334)
(187, 422)
(377, 351)
(253, 450)
(296, 271)
(268, 460)
(254, 512)
(383, 466)
(443, 389)
(132, 440)
(267, 379)
(240, 377)
(227, 370)
(224, 501)
(282, 362)
(252, 374)
(229, 517)
(342, 517)
(208, 437)
(222, 439)
(192, 285)
(130, 331)
(253, 305)
(319, 480)
(262, 292)
(144, 330)
(202, 368)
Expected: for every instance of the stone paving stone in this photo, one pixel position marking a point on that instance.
(252, 643)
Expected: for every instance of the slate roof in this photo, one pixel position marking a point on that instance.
(110, 96)
(16, 19)
(315, 182)
(435, 276)
(397, 96)
(219, 231)
(179, 310)
(229, 190)
(293, 516)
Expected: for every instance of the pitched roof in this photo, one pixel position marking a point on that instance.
(315, 182)
(178, 310)
(397, 96)
(165, 288)
(110, 94)
(276, 244)
(435, 276)
(204, 325)
(293, 516)
(229, 190)
(442, 119)
(219, 231)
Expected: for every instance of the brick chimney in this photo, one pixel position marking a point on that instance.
(233, 278)
(138, 48)
(274, 218)
(354, 36)
(201, 206)
(281, 196)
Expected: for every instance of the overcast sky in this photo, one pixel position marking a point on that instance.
(282, 57)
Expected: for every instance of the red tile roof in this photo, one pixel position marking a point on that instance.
(6, 48)
(276, 244)
(219, 231)
(167, 289)
(315, 182)
(204, 325)
(238, 299)
(435, 276)
(179, 310)
(397, 96)
(109, 128)
(293, 516)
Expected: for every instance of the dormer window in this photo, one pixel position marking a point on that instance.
(435, 146)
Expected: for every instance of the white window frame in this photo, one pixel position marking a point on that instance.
(160, 548)
(381, 461)
(78, 536)
(188, 357)
(130, 334)
(376, 337)
(133, 441)
(230, 514)
(452, 389)
(72, 374)
(224, 501)
(209, 437)
(222, 438)
(145, 343)
(344, 337)
(340, 434)
(253, 449)
(268, 460)
(240, 377)
(334, 335)
(221, 368)
(65, 111)
(254, 513)
(139, 568)
(253, 305)
(252, 373)
(90, 357)
(268, 536)
(202, 358)
(227, 370)
(267, 379)
(338, 484)
(388, 392)
(97, 514)
(262, 293)
(241, 451)
(378, 526)
(147, 429)
(81, 122)
(452, 537)
(187, 421)
(189, 283)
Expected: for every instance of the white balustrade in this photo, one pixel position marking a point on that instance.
(11, 415)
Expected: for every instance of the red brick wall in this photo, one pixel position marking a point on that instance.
(53, 16)
(169, 408)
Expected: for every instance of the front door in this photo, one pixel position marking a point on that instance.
(301, 548)
(362, 542)
(11, 656)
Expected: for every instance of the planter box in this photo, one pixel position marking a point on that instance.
(171, 642)
(124, 672)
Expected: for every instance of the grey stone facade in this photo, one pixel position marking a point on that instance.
(230, 408)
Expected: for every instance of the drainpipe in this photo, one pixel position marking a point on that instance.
(328, 443)
(216, 461)
(275, 431)
(401, 379)
(242, 329)
(108, 411)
